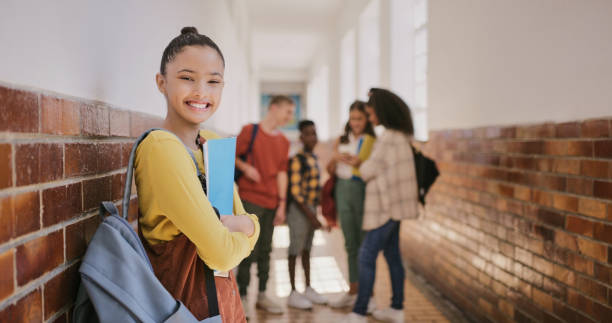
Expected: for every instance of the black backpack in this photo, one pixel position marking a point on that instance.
(426, 173)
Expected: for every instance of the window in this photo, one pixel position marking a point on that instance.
(369, 49)
(347, 74)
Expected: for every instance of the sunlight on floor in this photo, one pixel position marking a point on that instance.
(325, 276)
(280, 239)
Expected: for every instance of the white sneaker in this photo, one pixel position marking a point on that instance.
(314, 296)
(355, 318)
(390, 315)
(268, 305)
(245, 306)
(299, 301)
(345, 301)
(371, 306)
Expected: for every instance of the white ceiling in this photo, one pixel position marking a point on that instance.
(285, 34)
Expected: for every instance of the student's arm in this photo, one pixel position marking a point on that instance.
(333, 162)
(166, 174)
(374, 165)
(281, 181)
(242, 145)
(297, 194)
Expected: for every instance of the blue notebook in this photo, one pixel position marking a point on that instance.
(219, 160)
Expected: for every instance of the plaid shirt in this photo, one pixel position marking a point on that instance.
(304, 182)
(391, 190)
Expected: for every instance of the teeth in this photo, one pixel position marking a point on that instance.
(199, 106)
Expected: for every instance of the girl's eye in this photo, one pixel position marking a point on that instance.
(187, 78)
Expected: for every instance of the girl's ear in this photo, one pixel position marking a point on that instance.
(161, 83)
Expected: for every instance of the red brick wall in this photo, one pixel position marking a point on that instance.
(59, 157)
(519, 225)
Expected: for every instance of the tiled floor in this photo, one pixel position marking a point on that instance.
(328, 266)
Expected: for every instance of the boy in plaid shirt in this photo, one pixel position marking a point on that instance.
(304, 191)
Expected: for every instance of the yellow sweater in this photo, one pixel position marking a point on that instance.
(171, 201)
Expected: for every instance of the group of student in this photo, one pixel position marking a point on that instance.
(375, 190)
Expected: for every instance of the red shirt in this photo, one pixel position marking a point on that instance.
(270, 156)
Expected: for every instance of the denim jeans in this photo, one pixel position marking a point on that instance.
(385, 238)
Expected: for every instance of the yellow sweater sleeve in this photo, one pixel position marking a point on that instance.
(171, 202)
(364, 152)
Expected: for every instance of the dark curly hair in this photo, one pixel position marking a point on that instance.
(391, 110)
(189, 37)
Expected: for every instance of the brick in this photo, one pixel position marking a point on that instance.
(27, 309)
(542, 197)
(18, 110)
(592, 249)
(568, 314)
(543, 266)
(94, 120)
(7, 219)
(38, 256)
(567, 166)
(595, 129)
(603, 149)
(556, 148)
(565, 240)
(580, 264)
(61, 290)
(564, 275)
(38, 163)
(126, 149)
(603, 273)
(544, 164)
(601, 312)
(78, 236)
(96, 191)
(522, 193)
(6, 166)
(543, 232)
(109, 157)
(603, 232)
(602, 190)
(592, 288)
(536, 132)
(592, 208)
(580, 302)
(26, 208)
(568, 130)
(580, 226)
(580, 186)
(117, 185)
(60, 116)
(551, 218)
(81, 159)
(595, 168)
(542, 299)
(7, 275)
(565, 202)
(508, 132)
(61, 203)
(139, 123)
(119, 123)
(580, 148)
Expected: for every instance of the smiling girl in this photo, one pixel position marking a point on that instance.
(179, 227)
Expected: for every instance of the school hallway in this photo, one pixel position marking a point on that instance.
(328, 276)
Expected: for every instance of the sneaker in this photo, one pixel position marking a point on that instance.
(345, 301)
(390, 315)
(268, 305)
(314, 296)
(245, 306)
(355, 318)
(371, 305)
(299, 301)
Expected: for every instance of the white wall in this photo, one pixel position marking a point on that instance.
(521, 61)
(110, 50)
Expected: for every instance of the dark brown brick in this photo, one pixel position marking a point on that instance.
(603, 232)
(96, 191)
(595, 129)
(117, 185)
(6, 166)
(18, 110)
(126, 149)
(38, 163)
(602, 190)
(94, 120)
(580, 225)
(81, 159)
(27, 212)
(7, 219)
(578, 301)
(568, 130)
(109, 157)
(119, 123)
(61, 203)
(592, 288)
(580, 186)
(6, 274)
(536, 131)
(568, 314)
(60, 116)
(580, 148)
(78, 236)
(603, 149)
(61, 290)
(596, 168)
(38, 256)
(508, 132)
(27, 309)
(565, 202)
(603, 273)
(551, 218)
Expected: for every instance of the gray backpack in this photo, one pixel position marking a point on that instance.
(117, 280)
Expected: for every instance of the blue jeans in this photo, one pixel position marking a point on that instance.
(385, 238)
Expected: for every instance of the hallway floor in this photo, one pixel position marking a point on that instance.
(328, 266)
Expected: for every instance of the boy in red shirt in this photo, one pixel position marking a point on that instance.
(263, 189)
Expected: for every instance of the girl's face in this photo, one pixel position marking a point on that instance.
(357, 121)
(372, 115)
(193, 84)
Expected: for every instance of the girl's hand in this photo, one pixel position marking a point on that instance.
(238, 223)
(353, 160)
